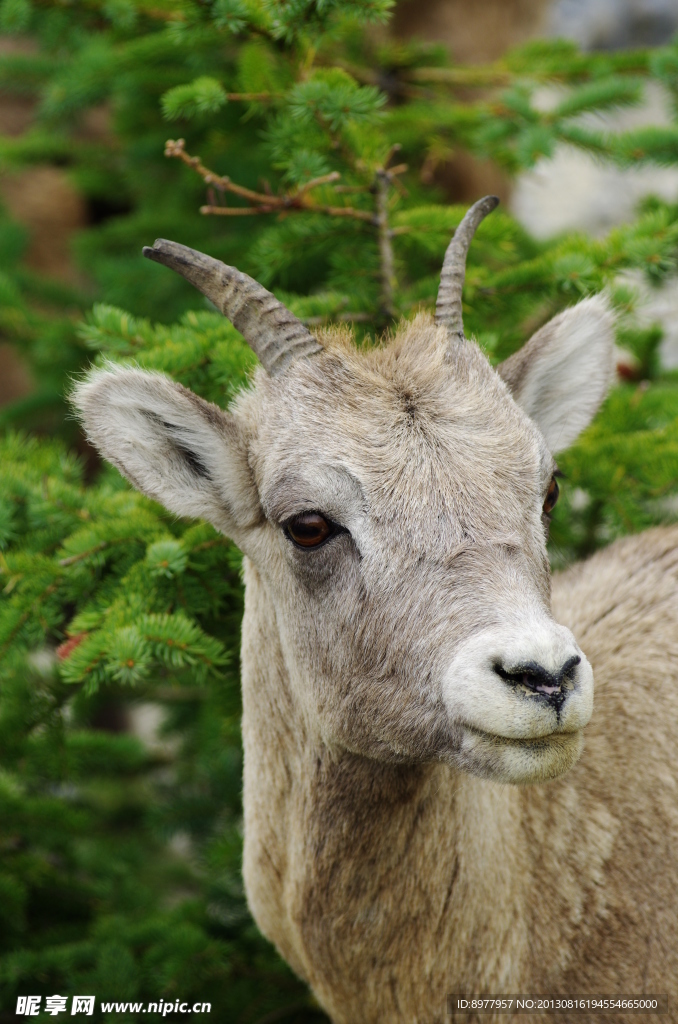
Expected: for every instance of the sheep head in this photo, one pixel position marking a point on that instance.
(394, 502)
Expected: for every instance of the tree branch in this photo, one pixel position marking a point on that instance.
(385, 178)
(386, 264)
(264, 202)
(252, 97)
(261, 201)
(482, 77)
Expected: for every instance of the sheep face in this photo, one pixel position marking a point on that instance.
(394, 504)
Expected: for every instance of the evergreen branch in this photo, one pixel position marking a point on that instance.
(465, 76)
(27, 614)
(182, 647)
(252, 97)
(392, 85)
(573, 68)
(84, 554)
(164, 15)
(72, 559)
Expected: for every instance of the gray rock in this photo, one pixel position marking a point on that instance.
(613, 24)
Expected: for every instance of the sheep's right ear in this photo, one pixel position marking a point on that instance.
(171, 445)
(562, 374)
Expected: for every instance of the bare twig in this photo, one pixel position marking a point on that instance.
(386, 177)
(237, 211)
(332, 211)
(387, 269)
(261, 201)
(324, 179)
(300, 199)
(340, 211)
(395, 148)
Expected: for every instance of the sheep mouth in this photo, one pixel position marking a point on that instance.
(532, 742)
(531, 759)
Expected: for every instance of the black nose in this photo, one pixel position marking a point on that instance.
(533, 677)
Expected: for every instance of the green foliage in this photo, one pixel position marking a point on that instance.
(310, 105)
(203, 96)
(334, 99)
(119, 854)
(15, 15)
(134, 600)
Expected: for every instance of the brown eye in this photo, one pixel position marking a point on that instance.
(309, 529)
(551, 496)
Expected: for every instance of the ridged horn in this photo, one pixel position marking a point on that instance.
(274, 334)
(448, 304)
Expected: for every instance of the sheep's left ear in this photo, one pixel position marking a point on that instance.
(562, 374)
(171, 445)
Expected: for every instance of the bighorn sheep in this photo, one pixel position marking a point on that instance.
(402, 662)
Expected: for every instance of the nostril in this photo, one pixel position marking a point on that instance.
(531, 675)
(535, 678)
(538, 687)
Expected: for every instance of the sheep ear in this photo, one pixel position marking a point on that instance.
(562, 374)
(171, 445)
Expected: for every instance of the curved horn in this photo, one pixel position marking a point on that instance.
(448, 304)
(276, 336)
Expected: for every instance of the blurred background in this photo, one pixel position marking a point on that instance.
(120, 760)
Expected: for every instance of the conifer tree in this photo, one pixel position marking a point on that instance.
(304, 143)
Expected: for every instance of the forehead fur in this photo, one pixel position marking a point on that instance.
(421, 425)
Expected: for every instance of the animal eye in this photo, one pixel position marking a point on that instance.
(551, 496)
(309, 529)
